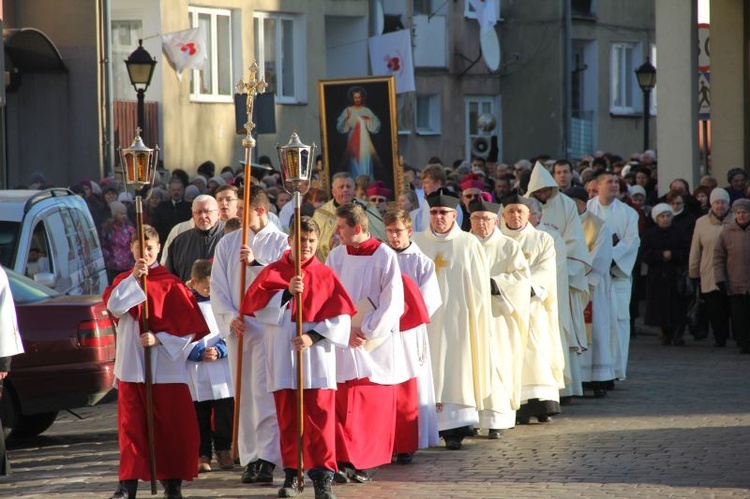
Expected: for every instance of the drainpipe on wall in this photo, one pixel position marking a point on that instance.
(567, 83)
(106, 92)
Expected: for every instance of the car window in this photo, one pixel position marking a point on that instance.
(8, 242)
(39, 259)
(24, 290)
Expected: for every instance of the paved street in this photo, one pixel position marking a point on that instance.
(678, 427)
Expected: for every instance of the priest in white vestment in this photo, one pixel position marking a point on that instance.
(560, 213)
(622, 222)
(598, 362)
(544, 361)
(258, 439)
(510, 283)
(460, 329)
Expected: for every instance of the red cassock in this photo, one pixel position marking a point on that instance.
(407, 398)
(172, 309)
(324, 298)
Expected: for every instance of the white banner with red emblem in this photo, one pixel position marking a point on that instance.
(186, 49)
(390, 54)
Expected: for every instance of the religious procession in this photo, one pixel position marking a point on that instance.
(348, 340)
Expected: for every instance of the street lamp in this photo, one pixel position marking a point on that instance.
(140, 66)
(646, 75)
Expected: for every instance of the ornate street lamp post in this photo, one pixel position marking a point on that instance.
(140, 66)
(646, 75)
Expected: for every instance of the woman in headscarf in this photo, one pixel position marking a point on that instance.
(665, 249)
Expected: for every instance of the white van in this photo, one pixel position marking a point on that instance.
(50, 237)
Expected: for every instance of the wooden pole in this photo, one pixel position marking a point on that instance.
(251, 87)
(146, 350)
(300, 372)
(240, 336)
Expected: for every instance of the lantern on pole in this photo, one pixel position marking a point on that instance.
(139, 165)
(295, 163)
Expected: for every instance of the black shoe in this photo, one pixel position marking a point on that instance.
(609, 385)
(361, 476)
(544, 419)
(291, 486)
(452, 443)
(265, 472)
(493, 435)
(520, 420)
(340, 476)
(404, 457)
(322, 480)
(172, 488)
(250, 475)
(566, 400)
(126, 489)
(600, 393)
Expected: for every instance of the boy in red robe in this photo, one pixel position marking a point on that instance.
(174, 322)
(326, 316)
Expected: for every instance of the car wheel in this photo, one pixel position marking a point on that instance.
(31, 425)
(9, 410)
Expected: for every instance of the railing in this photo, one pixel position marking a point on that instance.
(126, 121)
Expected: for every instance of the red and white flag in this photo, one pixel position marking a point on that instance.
(186, 49)
(390, 54)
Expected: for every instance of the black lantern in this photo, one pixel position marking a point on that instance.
(646, 75)
(140, 66)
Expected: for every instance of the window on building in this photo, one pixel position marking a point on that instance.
(125, 36)
(624, 92)
(214, 83)
(279, 38)
(405, 112)
(428, 114)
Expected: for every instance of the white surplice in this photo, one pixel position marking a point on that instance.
(167, 359)
(598, 362)
(209, 380)
(415, 264)
(544, 361)
(622, 221)
(10, 336)
(259, 431)
(510, 323)
(375, 277)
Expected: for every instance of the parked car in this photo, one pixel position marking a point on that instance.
(69, 357)
(49, 236)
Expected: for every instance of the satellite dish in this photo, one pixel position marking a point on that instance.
(378, 18)
(490, 48)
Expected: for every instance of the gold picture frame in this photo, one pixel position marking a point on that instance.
(360, 137)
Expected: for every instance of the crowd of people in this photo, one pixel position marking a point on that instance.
(485, 296)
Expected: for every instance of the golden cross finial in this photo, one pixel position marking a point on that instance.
(251, 87)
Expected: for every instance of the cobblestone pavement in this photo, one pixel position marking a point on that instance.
(678, 427)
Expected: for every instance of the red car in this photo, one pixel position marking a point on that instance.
(69, 358)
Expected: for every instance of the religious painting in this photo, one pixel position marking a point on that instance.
(359, 129)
